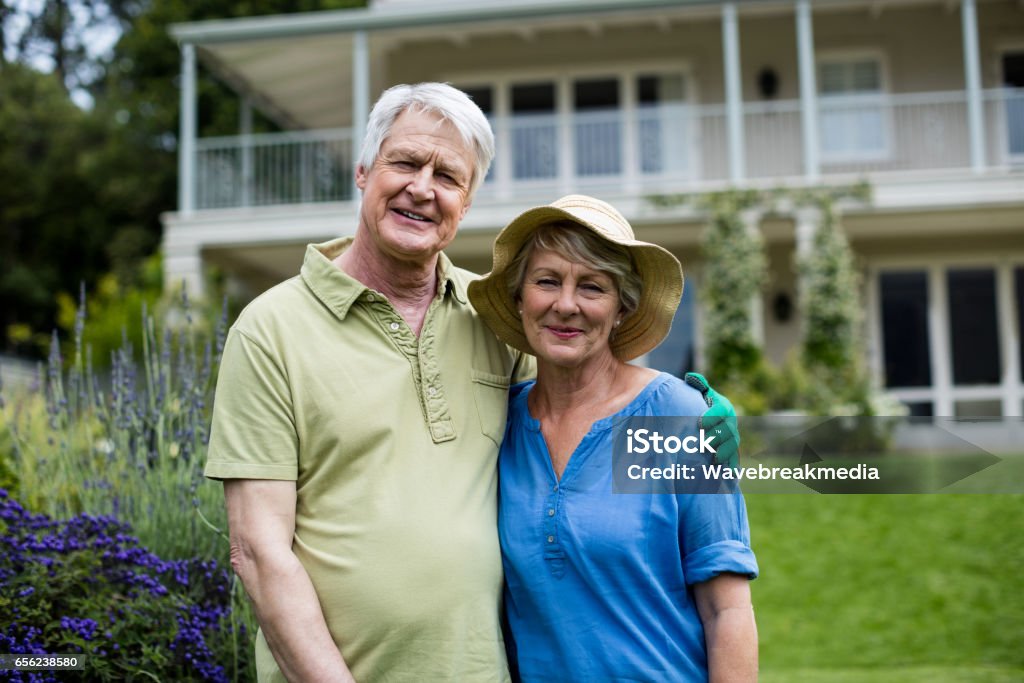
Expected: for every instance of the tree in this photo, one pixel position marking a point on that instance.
(82, 190)
(49, 238)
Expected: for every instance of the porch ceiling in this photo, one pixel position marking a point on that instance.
(279, 74)
(297, 69)
(278, 61)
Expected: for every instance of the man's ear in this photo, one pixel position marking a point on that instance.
(360, 177)
(465, 208)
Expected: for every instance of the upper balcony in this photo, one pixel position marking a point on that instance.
(662, 148)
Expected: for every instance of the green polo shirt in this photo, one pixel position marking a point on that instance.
(392, 441)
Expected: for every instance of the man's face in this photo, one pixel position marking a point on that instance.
(417, 190)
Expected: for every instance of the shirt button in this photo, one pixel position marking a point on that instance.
(551, 539)
(555, 488)
(371, 297)
(431, 390)
(551, 512)
(394, 326)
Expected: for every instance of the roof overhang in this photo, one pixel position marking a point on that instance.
(297, 68)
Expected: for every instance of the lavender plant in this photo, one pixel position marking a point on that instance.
(86, 585)
(130, 444)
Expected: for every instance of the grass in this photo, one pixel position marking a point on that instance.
(889, 587)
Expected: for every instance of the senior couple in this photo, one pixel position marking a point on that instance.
(365, 408)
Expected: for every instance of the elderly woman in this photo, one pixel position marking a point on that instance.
(603, 586)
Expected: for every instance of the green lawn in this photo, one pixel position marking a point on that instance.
(893, 588)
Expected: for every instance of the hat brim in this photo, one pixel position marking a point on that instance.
(641, 331)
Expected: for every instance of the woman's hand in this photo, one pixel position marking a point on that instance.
(719, 419)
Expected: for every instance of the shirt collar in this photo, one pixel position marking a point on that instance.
(338, 290)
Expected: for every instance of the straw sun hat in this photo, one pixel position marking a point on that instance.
(659, 270)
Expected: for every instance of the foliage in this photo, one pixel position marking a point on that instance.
(734, 271)
(85, 585)
(132, 445)
(113, 311)
(827, 375)
(47, 238)
(81, 191)
(832, 317)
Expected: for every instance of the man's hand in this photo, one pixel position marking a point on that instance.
(719, 419)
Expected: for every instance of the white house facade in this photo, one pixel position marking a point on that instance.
(628, 99)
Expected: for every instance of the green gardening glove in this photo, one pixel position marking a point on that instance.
(719, 419)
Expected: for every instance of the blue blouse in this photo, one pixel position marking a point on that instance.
(599, 584)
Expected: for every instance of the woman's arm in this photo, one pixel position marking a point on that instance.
(729, 630)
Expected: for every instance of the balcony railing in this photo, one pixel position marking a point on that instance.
(666, 148)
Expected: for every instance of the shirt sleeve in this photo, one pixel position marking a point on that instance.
(253, 435)
(715, 537)
(713, 530)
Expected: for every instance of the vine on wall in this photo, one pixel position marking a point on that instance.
(827, 373)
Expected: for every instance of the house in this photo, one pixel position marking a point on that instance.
(626, 99)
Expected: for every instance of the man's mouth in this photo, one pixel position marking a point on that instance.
(413, 215)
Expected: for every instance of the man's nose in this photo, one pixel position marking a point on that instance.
(421, 185)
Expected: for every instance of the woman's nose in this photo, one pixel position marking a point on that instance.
(566, 304)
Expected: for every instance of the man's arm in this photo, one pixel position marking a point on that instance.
(261, 519)
(730, 633)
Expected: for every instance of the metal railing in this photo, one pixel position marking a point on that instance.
(669, 147)
(275, 168)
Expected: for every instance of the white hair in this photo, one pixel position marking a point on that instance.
(449, 103)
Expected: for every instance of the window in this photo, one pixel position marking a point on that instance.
(483, 96)
(1018, 281)
(598, 127)
(852, 110)
(1013, 82)
(905, 339)
(534, 128)
(662, 123)
(973, 326)
(589, 127)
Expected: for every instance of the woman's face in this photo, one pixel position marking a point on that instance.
(569, 309)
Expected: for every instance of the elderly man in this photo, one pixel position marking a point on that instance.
(358, 414)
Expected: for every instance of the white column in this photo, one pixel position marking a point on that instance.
(245, 130)
(752, 223)
(360, 97)
(733, 93)
(502, 141)
(873, 307)
(566, 154)
(972, 71)
(808, 90)
(187, 132)
(942, 352)
(1009, 341)
(629, 111)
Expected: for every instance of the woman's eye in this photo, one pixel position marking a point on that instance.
(592, 288)
(547, 282)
